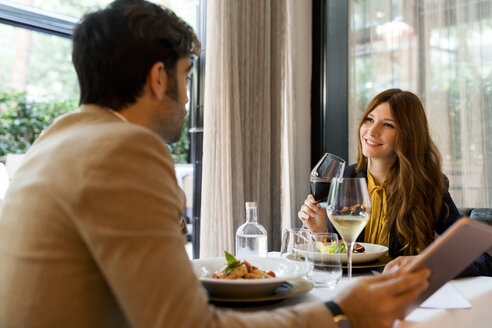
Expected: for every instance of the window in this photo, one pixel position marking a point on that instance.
(442, 51)
(186, 9)
(37, 79)
(37, 63)
(36, 68)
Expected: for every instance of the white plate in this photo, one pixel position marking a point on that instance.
(248, 288)
(372, 253)
(287, 289)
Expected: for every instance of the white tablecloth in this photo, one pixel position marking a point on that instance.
(477, 290)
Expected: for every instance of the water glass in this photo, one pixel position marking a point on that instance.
(324, 254)
(295, 242)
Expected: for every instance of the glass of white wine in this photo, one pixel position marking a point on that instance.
(349, 209)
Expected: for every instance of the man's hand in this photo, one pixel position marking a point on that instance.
(377, 302)
(398, 263)
(312, 215)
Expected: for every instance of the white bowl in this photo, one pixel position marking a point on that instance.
(243, 288)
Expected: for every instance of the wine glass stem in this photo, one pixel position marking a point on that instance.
(350, 249)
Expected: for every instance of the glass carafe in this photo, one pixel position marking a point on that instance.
(251, 237)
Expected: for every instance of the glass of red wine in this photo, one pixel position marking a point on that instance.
(327, 168)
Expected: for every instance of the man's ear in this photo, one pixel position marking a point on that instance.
(157, 80)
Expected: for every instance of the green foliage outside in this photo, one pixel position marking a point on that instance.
(22, 121)
(181, 148)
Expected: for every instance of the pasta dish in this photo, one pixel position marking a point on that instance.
(236, 269)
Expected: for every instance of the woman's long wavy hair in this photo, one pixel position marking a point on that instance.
(414, 183)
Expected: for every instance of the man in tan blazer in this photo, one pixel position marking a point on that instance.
(89, 230)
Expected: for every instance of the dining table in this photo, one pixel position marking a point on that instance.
(463, 302)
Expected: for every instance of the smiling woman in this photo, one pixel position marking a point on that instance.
(440, 50)
(402, 166)
(397, 152)
(378, 134)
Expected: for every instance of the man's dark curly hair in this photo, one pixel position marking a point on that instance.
(115, 48)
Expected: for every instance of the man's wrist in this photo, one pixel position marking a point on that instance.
(339, 318)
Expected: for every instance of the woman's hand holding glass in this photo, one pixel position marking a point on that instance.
(313, 216)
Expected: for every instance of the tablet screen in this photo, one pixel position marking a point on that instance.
(451, 253)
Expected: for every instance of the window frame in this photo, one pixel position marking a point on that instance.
(329, 96)
(36, 19)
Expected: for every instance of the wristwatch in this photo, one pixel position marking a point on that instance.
(339, 318)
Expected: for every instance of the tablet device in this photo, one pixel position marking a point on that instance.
(451, 253)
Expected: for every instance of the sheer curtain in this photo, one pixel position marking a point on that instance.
(442, 51)
(256, 117)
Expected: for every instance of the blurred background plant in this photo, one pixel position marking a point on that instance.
(22, 120)
(181, 149)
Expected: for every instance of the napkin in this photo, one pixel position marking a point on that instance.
(446, 297)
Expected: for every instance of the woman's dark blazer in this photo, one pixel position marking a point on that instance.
(449, 214)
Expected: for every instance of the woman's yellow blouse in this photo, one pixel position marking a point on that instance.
(375, 232)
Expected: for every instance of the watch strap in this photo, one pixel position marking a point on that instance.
(339, 318)
(334, 308)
